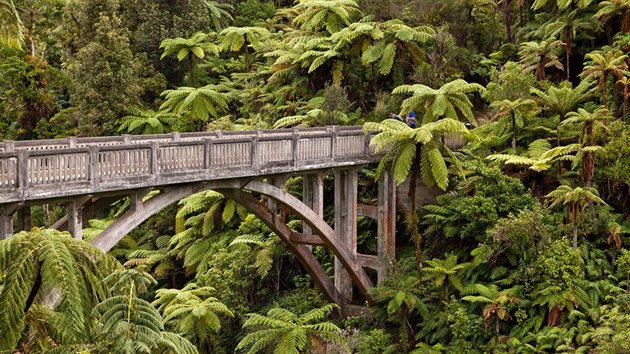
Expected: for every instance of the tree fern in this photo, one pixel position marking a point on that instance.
(286, 332)
(147, 121)
(50, 266)
(264, 255)
(449, 101)
(192, 310)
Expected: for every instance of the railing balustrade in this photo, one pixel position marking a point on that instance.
(72, 166)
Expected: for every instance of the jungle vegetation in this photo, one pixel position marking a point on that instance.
(526, 250)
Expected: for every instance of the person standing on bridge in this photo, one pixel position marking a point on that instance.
(410, 119)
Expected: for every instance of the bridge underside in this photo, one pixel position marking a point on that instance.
(349, 265)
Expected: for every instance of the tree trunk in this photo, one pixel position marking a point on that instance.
(496, 326)
(413, 217)
(513, 132)
(626, 96)
(605, 89)
(568, 51)
(507, 16)
(574, 212)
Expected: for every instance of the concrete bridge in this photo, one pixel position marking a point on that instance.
(87, 174)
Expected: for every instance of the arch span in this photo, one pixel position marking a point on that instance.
(236, 189)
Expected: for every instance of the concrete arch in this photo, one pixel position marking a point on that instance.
(235, 189)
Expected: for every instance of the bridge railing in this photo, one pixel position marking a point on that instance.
(73, 142)
(74, 166)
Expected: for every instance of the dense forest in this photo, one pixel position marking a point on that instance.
(526, 250)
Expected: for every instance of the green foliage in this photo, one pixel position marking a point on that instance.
(50, 267)
(520, 238)
(107, 76)
(147, 122)
(375, 342)
(613, 159)
(132, 325)
(497, 302)
(11, 30)
(287, 332)
(449, 101)
(219, 13)
(249, 12)
(315, 15)
(445, 272)
(612, 335)
(508, 84)
(623, 266)
(559, 265)
(463, 215)
(192, 310)
(196, 103)
(400, 141)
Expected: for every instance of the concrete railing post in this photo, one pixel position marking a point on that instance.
(22, 171)
(253, 160)
(153, 162)
(93, 172)
(295, 142)
(9, 145)
(333, 143)
(207, 153)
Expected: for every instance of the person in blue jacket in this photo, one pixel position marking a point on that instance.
(411, 120)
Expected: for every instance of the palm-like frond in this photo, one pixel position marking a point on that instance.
(11, 30)
(315, 15)
(197, 45)
(65, 266)
(449, 101)
(199, 102)
(287, 332)
(219, 14)
(147, 121)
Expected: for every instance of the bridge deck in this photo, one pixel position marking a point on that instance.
(46, 169)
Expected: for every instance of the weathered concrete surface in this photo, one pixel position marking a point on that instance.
(424, 195)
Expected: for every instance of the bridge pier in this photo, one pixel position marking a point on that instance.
(6, 223)
(313, 196)
(75, 219)
(24, 218)
(345, 225)
(386, 219)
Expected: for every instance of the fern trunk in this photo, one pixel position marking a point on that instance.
(413, 217)
(513, 132)
(574, 212)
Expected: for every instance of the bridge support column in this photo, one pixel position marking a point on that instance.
(345, 224)
(386, 224)
(276, 181)
(24, 218)
(75, 219)
(313, 196)
(6, 223)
